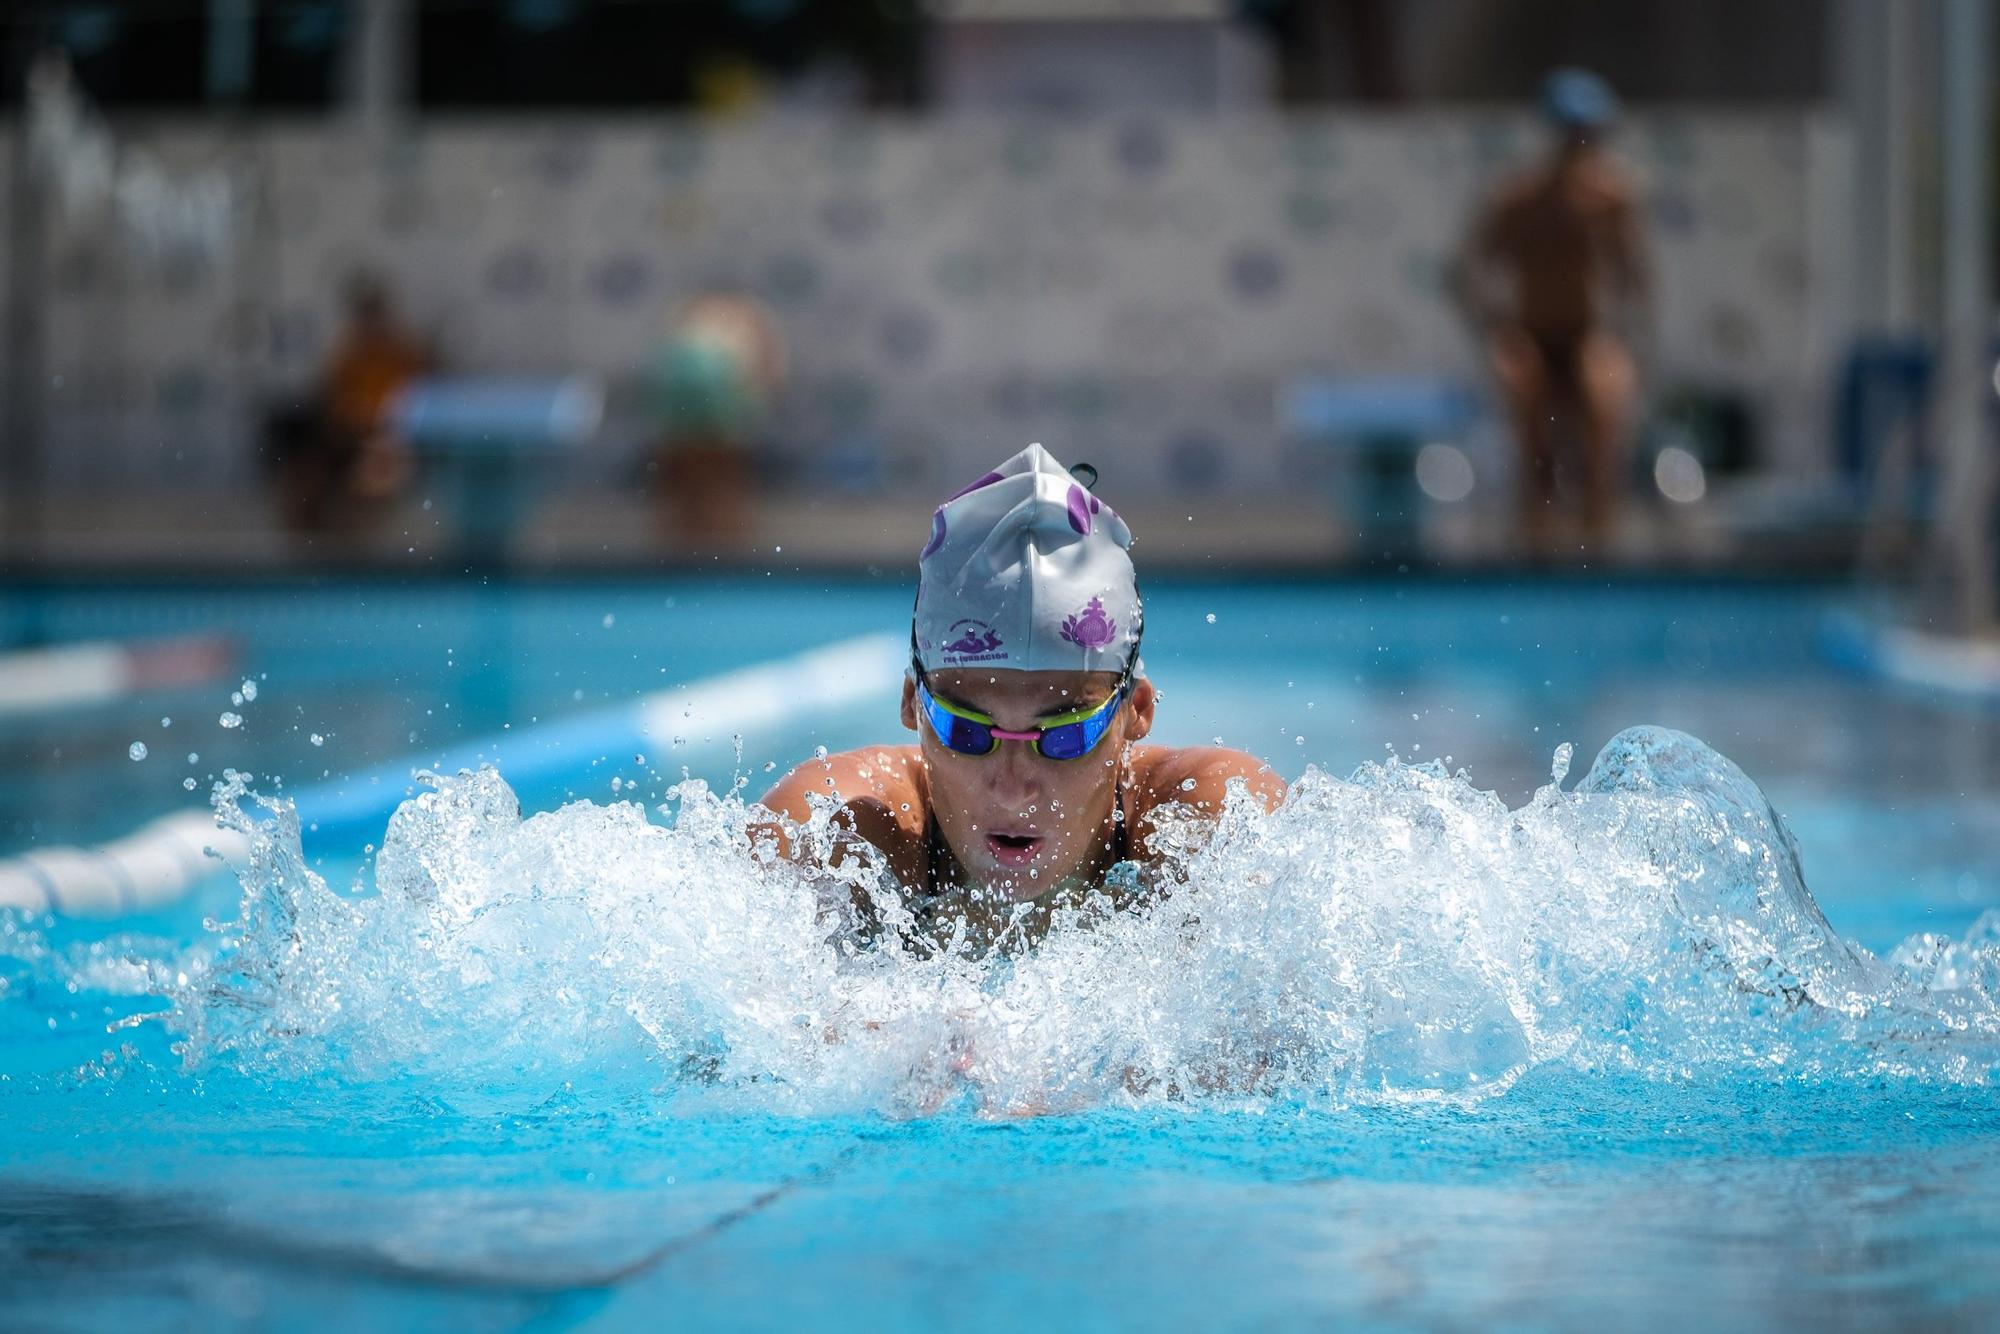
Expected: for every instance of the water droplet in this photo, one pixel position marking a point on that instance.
(770, 765)
(1559, 769)
(236, 698)
(1298, 741)
(249, 690)
(231, 720)
(1210, 618)
(819, 752)
(137, 750)
(1187, 784)
(609, 620)
(166, 722)
(193, 758)
(318, 740)
(188, 783)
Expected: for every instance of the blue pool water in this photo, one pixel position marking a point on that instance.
(572, 1071)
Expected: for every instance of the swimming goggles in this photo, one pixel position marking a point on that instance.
(1062, 736)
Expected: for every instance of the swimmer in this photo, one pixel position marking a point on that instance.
(1028, 782)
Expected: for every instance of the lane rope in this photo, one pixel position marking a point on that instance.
(161, 861)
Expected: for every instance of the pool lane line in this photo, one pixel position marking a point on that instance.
(817, 1174)
(183, 1223)
(162, 860)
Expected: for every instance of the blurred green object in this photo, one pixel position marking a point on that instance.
(704, 387)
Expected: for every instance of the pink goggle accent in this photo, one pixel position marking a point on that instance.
(1005, 735)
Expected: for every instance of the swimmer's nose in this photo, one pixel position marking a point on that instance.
(1016, 772)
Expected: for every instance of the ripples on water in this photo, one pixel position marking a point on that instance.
(1396, 936)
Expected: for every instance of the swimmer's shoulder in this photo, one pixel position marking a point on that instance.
(881, 789)
(1198, 776)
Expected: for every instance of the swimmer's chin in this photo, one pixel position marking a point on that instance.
(1010, 886)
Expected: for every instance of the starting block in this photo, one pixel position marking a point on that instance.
(492, 433)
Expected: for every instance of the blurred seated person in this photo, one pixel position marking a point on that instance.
(1555, 282)
(337, 456)
(714, 381)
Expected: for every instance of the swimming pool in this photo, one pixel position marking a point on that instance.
(494, 1109)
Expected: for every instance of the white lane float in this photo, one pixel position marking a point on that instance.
(158, 863)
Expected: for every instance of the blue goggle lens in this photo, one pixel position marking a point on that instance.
(1070, 741)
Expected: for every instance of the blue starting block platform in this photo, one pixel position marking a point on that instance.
(1394, 412)
(492, 435)
(1376, 426)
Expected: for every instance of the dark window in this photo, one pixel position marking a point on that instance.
(605, 53)
(178, 54)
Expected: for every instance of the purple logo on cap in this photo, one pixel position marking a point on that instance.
(976, 641)
(988, 480)
(1090, 628)
(1080, 509)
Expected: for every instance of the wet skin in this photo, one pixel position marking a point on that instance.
(1016, 828)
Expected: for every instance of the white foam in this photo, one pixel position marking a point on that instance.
(1395, 936)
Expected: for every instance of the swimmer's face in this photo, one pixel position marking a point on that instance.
(1018, 823)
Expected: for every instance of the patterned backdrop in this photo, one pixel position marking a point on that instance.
(1132, 292)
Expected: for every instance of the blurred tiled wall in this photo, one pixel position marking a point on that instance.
(1129, 292)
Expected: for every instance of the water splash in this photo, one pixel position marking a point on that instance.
(1398, 936)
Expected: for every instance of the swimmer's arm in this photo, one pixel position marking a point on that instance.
(868, 785)
(1631, 269)
(1200, 775)
(1469, 278)
(1630, 263)
(1198, 778)
(1479, 280)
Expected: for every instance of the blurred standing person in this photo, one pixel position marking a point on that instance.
(1556, 282)
(715, 379)
(339, 457)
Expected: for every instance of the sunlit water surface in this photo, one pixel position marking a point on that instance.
(1405, 1053)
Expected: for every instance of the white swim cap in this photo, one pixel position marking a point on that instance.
(1026, 570)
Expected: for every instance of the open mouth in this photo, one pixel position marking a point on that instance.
(1013, 849)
